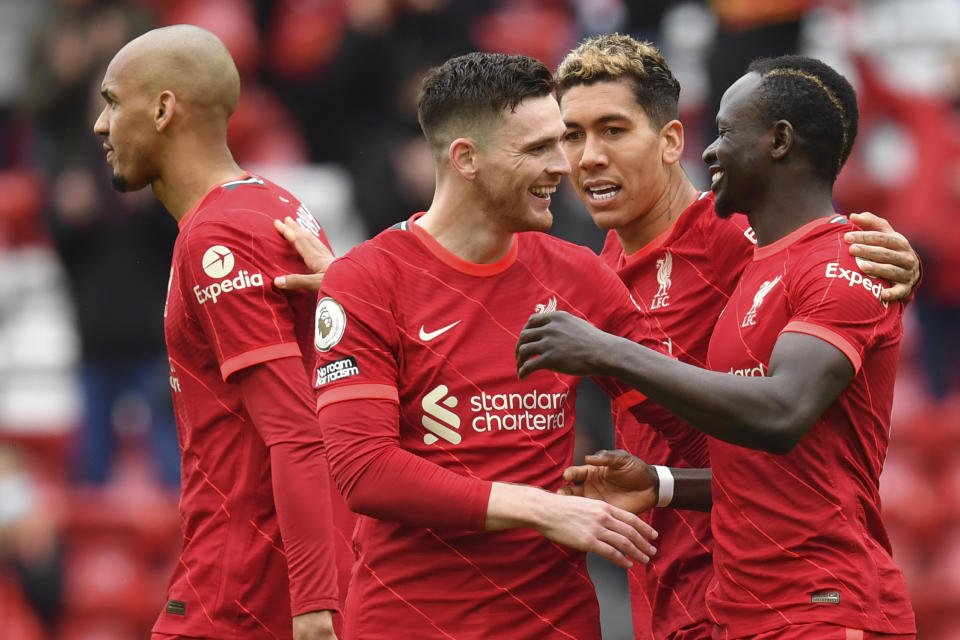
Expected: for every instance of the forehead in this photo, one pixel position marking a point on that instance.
(533, 118)
(586, 103)
(740, 100)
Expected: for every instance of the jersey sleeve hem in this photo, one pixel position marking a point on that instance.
(629, 399)
(827, 335)
(357, 392)
(320, 604)
(257, 356)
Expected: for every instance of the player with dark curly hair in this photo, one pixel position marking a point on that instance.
(798, 384)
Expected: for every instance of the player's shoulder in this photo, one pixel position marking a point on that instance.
(825, 237)
(546, 246)
(252, 201)
(369, 261)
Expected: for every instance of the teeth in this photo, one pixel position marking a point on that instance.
(604, 193)
(715, 178)
(543, 192)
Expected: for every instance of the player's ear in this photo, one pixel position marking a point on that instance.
(463, 157)
(782, 139)
(671, 142)
(163, 110)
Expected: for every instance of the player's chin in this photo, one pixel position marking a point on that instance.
(723, 207)
(539, 220)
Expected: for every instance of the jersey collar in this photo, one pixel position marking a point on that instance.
(456, 262)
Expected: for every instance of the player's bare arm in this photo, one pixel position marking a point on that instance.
(579, 523)
(881, 252)
(316, 625)
(769, 413)
(626, 481)
(315, 256)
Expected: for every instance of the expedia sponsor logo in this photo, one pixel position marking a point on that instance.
(336, 370)
(855, 279)
(489, 413)
(218, 261)
(749, 372)
(213, 291)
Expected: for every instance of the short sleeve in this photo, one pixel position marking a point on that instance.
(734, 242)
(355, 337)
(616, 312)
(831, 299)
(227, 278)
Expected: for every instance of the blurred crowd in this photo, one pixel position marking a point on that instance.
(89, 462)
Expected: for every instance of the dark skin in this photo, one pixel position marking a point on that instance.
(628, 482)
(763, 172)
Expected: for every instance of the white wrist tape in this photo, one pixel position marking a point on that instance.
(665, 494)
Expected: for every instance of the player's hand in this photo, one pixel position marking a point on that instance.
(316, 625)
(617, 478)
(598, 527)
(881, 252)
(559, 342)
(314, 253)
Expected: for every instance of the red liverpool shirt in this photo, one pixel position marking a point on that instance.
(222, 316)
(401, 319)
(682, 280)
(798, 537)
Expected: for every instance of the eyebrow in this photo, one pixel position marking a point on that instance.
(604, 119)
(539, 142)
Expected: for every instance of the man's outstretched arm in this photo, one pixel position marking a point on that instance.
(380, 479)
(771, 413)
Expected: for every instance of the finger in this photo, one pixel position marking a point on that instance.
(530, 366)
(537, 320)
(607, 458)
(576, 474)
(870, 221)
(571, 490)
(285, 231)
(896, 292)
(888, 240)
(903, 258)
(299, 281)
(893, 273)
(628, 539)
(612, 554)
(527, 350)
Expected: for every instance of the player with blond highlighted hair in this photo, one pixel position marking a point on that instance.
(797, 386)
(619, 101)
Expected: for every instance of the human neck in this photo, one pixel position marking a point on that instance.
(788, 206)
(191, 173)
(675, 198)
(464, 229)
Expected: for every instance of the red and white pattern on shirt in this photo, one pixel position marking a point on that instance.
(682, 280)
(399, 290)
(798, 537)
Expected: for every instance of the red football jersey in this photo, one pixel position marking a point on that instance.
(798, 537)
(400, 317)
(223, 315)
(682, 280)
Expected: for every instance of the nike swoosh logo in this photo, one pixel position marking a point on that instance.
(428, 336)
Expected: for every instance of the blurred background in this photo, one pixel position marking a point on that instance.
(89, 463)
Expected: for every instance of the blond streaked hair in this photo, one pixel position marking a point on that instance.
(615, 57)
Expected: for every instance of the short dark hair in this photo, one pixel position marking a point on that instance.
(474, 88)
(817, 101)
(614, 57)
